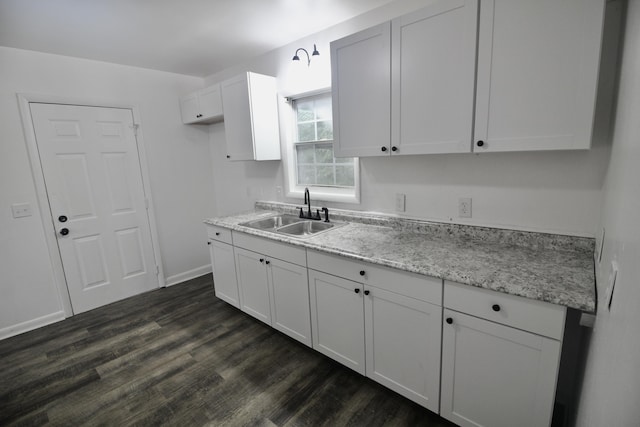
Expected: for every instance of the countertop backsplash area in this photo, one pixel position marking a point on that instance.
(554, 268)
(533, 240)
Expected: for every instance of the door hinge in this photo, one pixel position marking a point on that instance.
(135, 127)
(157, 270)
(146, 203)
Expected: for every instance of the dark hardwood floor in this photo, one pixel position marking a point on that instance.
(179, 356)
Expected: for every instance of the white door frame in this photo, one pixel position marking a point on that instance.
(41, 191)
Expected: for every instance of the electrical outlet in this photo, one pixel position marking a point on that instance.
(464, 207)
(401, 200)
(20, 210)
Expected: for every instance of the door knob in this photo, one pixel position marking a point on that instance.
(64, 231)
(356, 290)
(394, 148)
(62, 218)
(366, 292)
(384, 149)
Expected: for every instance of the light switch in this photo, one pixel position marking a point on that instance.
(20, 210)
(401, 201)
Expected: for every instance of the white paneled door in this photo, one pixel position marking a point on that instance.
(91, 166)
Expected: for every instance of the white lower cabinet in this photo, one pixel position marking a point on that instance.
(380, 326)
(337, 319)
(289, 291)
(224, 272)
(492, 362)
(271, 289)
(493, 374)
(403, 345)
(253, 284)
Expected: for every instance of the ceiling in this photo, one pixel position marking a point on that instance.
(194, 37)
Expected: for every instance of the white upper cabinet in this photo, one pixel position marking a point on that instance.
(251, 117)
(537, 74)
(408, 86)
(361, 92)
(433, 75)
(203, 106)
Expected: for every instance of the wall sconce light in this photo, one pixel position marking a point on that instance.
(314, 53)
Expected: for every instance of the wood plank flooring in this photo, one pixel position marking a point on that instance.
(179, 356)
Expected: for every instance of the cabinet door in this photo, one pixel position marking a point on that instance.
(189, 108)
(337, 319)
(210, 102)
(433, 77)
(237, 118)
(495, 375)
(361, 93)
(289, 289)
(265, 128)
(537, 74)
(253, 285)
(225, 283)
(403, 345)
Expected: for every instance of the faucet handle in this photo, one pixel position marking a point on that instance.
(301, 213)
(326, 214)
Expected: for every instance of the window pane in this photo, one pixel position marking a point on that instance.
(325, 175)
(306, 132)
(314, 160)
(305, 111)
(345, 175)
(324, 153)
(306, 175)
(325, 130)
(323, 108)
(304, 153)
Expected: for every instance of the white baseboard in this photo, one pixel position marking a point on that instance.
(188, 275)
(30, 325)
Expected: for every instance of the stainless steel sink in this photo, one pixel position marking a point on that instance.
(271, 223)
(291, 225)
(306, 228)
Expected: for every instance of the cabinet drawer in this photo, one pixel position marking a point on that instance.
(283, 251)
(412, 285)
(219, 233)
(530, 315)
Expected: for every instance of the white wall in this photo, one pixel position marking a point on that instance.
(178, 161)
(546, 191)
(611, 389)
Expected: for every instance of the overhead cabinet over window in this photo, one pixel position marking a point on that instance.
(408, 86)
(251, 117)
(203, 106)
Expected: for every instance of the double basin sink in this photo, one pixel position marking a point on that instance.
(291, 225)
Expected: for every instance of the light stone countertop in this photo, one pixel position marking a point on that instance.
(545, 267)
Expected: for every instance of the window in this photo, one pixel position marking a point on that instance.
(312, 162)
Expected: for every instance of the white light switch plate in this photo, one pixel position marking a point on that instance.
(401, 200)
(21, 210)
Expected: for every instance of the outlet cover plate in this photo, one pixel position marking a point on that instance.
(464, 207)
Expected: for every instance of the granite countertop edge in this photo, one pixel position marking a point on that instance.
(520, 280)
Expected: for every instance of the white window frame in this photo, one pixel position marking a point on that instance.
(323, 193)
